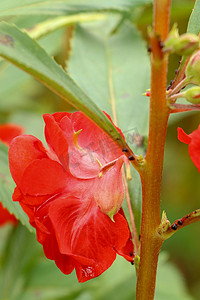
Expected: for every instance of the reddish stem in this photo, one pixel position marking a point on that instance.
(152, 175)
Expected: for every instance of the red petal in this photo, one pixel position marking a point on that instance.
(82, 163)
(194, 148)
(94, 139)
(24, 150)
(127, 251)
(9, 131)
(6, 217)
(56, 138)
(83, 230)
(183, 137)
(43, 177)
(46, 237)
(108, 190)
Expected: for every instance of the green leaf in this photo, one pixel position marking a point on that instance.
(170, 283)
(17, 47)
(118, 282)
(194, 24)
(7, 187)
(109, 69)
(17, 260)
(26, 274)
(66, 7)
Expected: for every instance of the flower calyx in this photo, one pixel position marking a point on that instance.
(192, 70)
(184, 44)
(164, 226)
(192, 95)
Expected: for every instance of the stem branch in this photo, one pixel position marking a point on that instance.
(180, 223)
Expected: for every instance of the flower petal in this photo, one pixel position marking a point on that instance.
(55, 137)
(6, 217)
(194, 148)
(183, 137)
(82, 162)
(193, 140)
(9, 131)
(83, 230)
(108, 190)
(94, 139)
(23, 150)
(44, 177)
(46, 237)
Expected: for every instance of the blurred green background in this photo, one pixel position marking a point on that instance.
(24, 272)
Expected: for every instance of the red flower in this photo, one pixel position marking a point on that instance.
(193, 140)
(70, 192)
(7, 133)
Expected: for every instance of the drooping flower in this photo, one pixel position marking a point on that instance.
(72, 193)
(193, 140)
(7, 133)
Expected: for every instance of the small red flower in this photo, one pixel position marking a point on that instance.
(71, 191)
(193, 140)
(7, 133)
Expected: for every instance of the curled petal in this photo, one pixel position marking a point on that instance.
(108, 190)
(183, 137)
(23, 150)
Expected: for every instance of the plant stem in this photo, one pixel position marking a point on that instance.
(181, 223)
(151, 177)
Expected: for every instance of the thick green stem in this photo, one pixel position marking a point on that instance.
(151, 177)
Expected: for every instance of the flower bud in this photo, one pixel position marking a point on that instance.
(185, 44)
(192, 95)
(192, 71)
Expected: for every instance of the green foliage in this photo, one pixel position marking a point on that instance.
(24, 52)
(193, 24)
(26, 274)
(65, 7)
(106, 66)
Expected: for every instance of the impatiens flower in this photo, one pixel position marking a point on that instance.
(72, 192)
(193, 140)
(7, 133)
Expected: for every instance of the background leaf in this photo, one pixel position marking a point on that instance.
(26, 274)
(21, 50)
(194, 24)
(65, 7)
